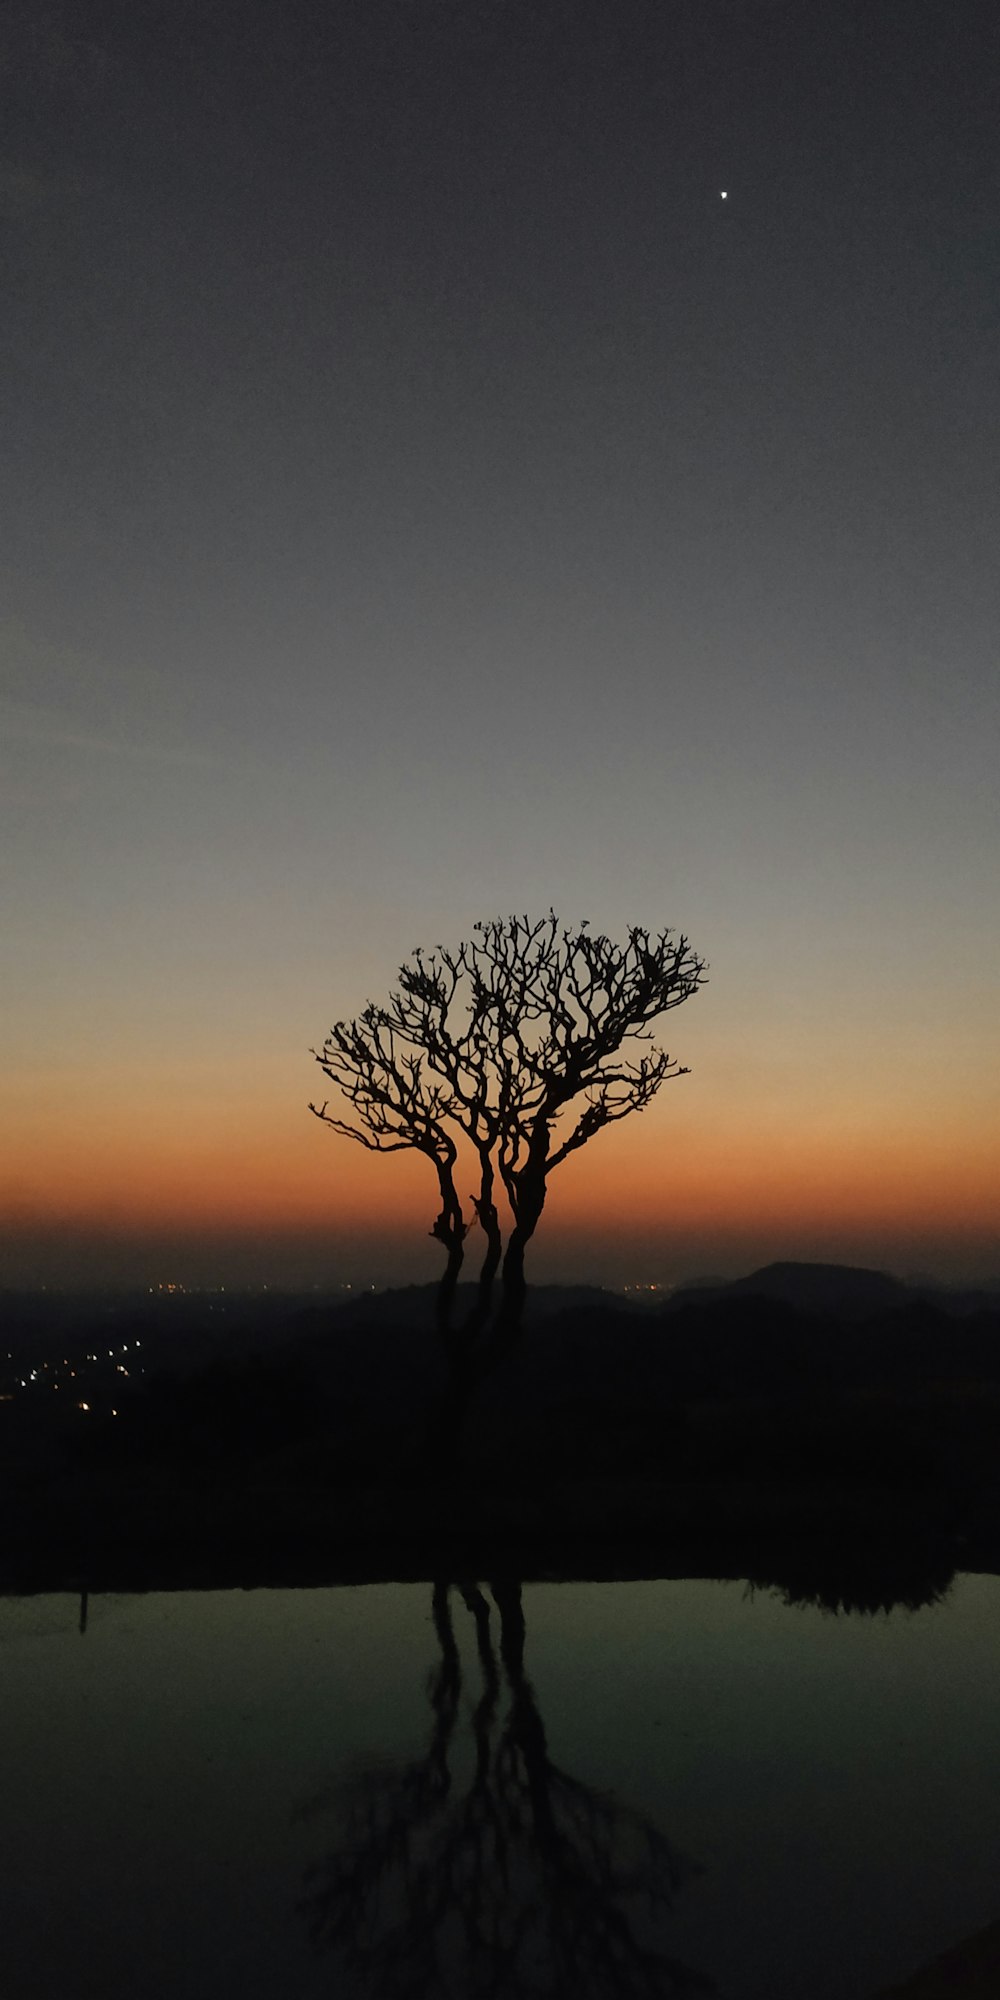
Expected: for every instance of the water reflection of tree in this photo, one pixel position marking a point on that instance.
(481, 1869)
(864, 1584)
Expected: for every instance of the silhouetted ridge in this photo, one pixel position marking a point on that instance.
(842, 1291)
(413, 1305)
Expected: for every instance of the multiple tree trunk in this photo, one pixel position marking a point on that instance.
(520, 1045)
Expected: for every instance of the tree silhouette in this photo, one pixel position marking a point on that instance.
(866, 1582)
(520, 1045)
(481, 1869)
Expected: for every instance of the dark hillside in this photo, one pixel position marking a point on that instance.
(306, 1435)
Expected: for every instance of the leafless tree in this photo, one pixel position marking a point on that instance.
(524, 1043)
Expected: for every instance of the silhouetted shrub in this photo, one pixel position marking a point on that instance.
(864, 1581)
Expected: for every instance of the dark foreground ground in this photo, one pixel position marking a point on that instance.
(850, 1454)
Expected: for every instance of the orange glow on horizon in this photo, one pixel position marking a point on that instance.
(746, 1161)
(196, 1171)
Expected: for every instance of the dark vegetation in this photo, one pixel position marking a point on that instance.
(728, 1433)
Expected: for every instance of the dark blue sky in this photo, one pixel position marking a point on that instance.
(424, 496)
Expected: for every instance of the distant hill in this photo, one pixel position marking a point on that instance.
(842, 1292)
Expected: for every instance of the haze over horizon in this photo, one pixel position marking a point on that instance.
(425, 497)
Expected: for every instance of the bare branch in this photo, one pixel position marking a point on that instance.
(526, 1040)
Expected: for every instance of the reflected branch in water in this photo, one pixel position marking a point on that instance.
(481, 1869)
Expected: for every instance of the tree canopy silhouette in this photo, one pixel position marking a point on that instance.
(518, 1046)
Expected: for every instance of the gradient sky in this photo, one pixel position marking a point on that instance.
(425, 497)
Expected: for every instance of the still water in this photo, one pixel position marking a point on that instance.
(613, 1789)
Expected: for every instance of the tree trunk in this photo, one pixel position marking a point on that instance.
(475, 1348)
(489, 1221)
(445, 1303)
(449, 1230)
(515, 1289)
(530, 1201)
